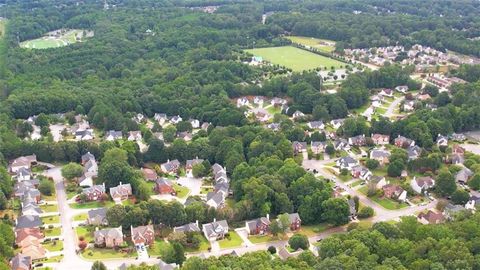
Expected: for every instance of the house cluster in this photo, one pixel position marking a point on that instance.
(261, 226)
(443, 82)
(221, 188)
(81, 130)
(114, 237)
(90, 170)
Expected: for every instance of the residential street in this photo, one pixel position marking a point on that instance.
(391, 108)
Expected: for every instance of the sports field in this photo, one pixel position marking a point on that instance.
(294, 58)
(320, 44)
(46, 42)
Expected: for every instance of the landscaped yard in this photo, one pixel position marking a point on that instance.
(106, 253)
(52, 197)
(182, 192)
(205, 190)
(52, 260)
(384, 202)
(158, 248)
(53, 246)
(203, 246)
(52, 232)
(264, 238)
(51, 220)
(311, 230)
(320, 44)
(294, 58)
(88, 205)
(234, 241)
(81, 217)
(273, 110)
(86, 232)
(49, 207)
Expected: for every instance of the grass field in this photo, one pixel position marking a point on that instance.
(51, 220)
(320, 44)
(234, 241)
(52, 232)
(294, 58)
(86, 232)
(52, 42)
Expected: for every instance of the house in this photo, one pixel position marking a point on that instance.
(422, 184)
(166, 266)
(195, 123)
(91, 167)
(259, 100)
(378, 181)
(216, 199)
(113, 135)
(463, 175)
(402, 89)
(380, 155)
(457, 149)
(316, 125)
(359, 140)
(215, 230)
(164, 186)
(134, 136)
(409, 106)
(259, 226)
(21, 262)
(337, 123)
(284, 254)
(86, 180)
(121, 192)
(22, 188)
(473, 203)
(299, 147)
(176, 119)
(190, 163)
(256, 60)
(346, 163)
(298, 114)
(318, 147)
(360, 172)
(170, 166)
(28, 221)
(149, 174)
(442, 140)
(216, 168)
(278, 102)
(95, 192)
(31, 209)
(352, 207)
(185, 135)
(380, 139)
(34, 251)
(84, 134)
(451, 210)
(23, 174)
(97, 217)
(414, 152)
(459, 137)
(110, 238)
(386, 92)
(87, 157)
(161, 118)
(394, 192)
(423, 97)
(403, 142)
(26, 235)
(430, 217)
(25, 162)
(456, 159)
(274, 126)
(295, 221)
(341, 144)
(143, 235)
(205, 126)
(138, 118)
(243, 101)
(190, 227)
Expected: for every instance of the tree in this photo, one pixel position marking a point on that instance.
(445, 183)
(72, 170)
(474, 183)
(198, 170)
(46, 187)
(372, 164)
(298, 241)
(42, 120)
(431, 90)
(395, 169)
(272, 250)
(275, 228)
(335, 211)
(366, 212)
(460, 196)
(3, 201)
(98, 265)
(116, 215)
(169, 133)
(143, 191)
(175, 254)
(320, 113)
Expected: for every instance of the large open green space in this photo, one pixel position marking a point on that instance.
(320, 44)
(294, 58)
(47, 42)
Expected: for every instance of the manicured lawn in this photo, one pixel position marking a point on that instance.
(205, 190)
(106, 253)
(53, 232)
(49, 207)
(320, 44)
(51, 220)
(53, 246)
(88, 205)
(158, 248)
(311, 230)
(86, 232)
(344, 178)
(264, 238)
(203, 246)
(273, 110)
(234, 241)
(294, 58)
(71, 194)
(384, 202)
(52, 197)
(81, 217)
(52, 259)
(182, 192)
(356, 183)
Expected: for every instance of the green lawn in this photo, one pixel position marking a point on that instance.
(53, 232)
(205, 190)
(49, 207)
(52, 197)
(106, 253)
(294, 58)
(81, 217)
(86, 232)
(311, 230)
(51, 42)
(158, 248)
(52, 259)
(203, 246)
(356, 183)
(95, 204)
(234, 241)
(53, 246)
(384, 202)
(51, 220)
(182, 191)
(273, 110)
(320, 44)
(264, 238)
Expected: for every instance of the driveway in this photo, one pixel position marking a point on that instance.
(391, 108)
(193, 184)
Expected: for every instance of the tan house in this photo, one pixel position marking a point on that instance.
(110, 238)
(143, 235)
(35, 252)
(121, 192)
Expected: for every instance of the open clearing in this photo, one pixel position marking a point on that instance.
(55, 39)
(294, 58)
(320, 44)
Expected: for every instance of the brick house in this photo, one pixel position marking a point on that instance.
(143, 235)
(164, 186)
(258, 226)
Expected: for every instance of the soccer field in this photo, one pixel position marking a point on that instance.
(320, 44)
(294, 58)
(51, 42)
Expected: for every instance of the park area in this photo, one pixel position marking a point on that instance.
(55, 39)
(294, 58)
(316, 43)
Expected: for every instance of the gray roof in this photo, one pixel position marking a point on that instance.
(20, 261)
(318, 144)
(88, 156)
(252, 224)
(463, 175)
(100, 188)
(23, 171)
(32, 206)
(316, 124)
(171, 165)
(164, 181)
(100, 213)
(28, 221)
(190, 227)
(215, 228)
(192, 162)
(166, 266)
(217, 197)
(379, 153)
(109, 232)
(293, 217)
(114, 134)
(347, 160)
(217, 168)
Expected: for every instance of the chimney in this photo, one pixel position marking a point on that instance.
(268, 216)
(120, 183)
(196, 222)
(214, 220)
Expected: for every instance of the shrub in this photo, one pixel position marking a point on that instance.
(298, 241)
(366, 212)
(272, 250)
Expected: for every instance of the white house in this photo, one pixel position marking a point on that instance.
(243, 101)
(402, 89)
(421, 184)
(134, 136)
(346, 163)
(195, 123)
(176, 119)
